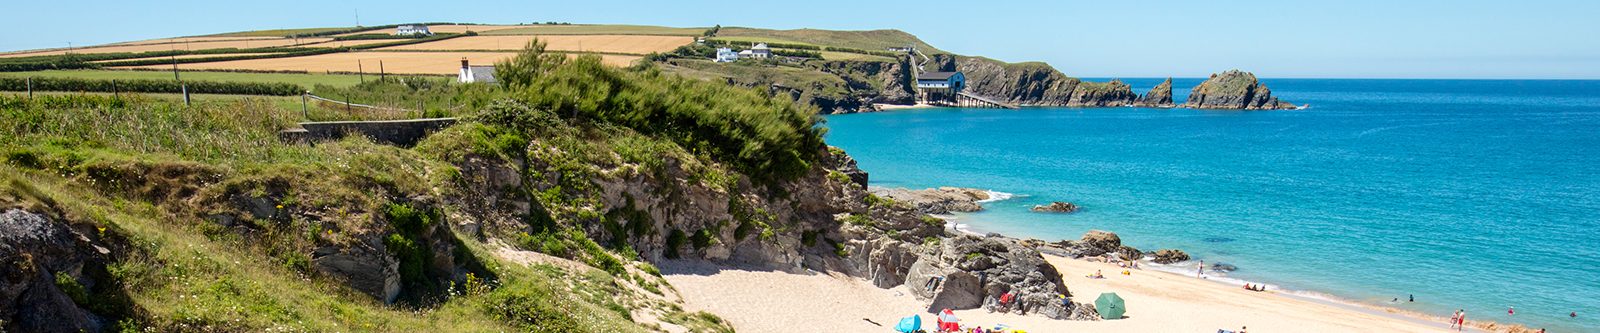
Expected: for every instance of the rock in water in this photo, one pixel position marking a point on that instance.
(941, 200)
(1056, 207)
(1158, 97)
(1224, 267)
(1168, 256)
(1234, 89)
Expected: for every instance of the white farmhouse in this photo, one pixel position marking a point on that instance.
(761, 51)
(726, 55)
(413, 29)
(470, 74)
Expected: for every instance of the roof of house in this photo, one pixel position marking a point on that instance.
(413, 26)
(760, 46)
(482, 73)
(937, 75)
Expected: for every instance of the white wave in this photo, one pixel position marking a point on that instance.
(996, 196)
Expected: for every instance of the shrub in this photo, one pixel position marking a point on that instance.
(674, 242)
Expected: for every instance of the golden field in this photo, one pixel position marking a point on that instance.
(238, 44)
(393, 62)
(629, 44)
(187, 56)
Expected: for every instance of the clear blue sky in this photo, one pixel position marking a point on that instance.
(1148, 38)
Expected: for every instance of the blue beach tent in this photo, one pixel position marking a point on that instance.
(909, 324)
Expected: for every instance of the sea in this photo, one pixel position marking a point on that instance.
(1481, 195)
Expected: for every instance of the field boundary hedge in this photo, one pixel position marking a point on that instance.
(150, 86)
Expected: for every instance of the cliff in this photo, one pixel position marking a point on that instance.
(1032, 83)
(1158, 97)
(1234, 89)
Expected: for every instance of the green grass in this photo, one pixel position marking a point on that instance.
(278, 32)
(835, 55)
(598, 29)
(754, 39)
(871, 40)
(305, 80)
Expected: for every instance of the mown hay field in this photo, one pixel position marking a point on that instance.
(305, 80)
(237, 44)
(598, 29)
(345, 43)
(628, 44)
(392, 62)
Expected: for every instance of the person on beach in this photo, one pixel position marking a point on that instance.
(1574, 314)
(1511, 311)
(1202, 273)
(1455, 318)
(1461, 322)
(1411, 297)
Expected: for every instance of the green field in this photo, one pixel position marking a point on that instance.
(598, 29)
(304, 80)
(828, 55)
(279, 32)
(871, 40)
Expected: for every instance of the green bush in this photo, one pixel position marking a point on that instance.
(674, 242)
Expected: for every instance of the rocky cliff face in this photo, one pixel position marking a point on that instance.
(1234, 89)
(1032, 83)
(889, 82)
(1158, 97)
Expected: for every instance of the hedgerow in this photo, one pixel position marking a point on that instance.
(149, 86)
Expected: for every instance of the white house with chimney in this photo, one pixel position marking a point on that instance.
(760, 51)
(472, 74)
(412, 30)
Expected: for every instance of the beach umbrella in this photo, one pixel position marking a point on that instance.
(909, 324)
(1110, 306)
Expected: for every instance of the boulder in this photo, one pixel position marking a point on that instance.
(1234, 89)
(961, 290)
(1056, 207)
(1096, 242)
(1224, 267)
(1169, 256)
(35, 250)
(367, 268)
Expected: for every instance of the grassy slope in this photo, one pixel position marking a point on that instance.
(598, 29)
(304, 80)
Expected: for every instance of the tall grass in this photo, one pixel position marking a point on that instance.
(218, 131)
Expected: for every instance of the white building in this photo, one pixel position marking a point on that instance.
(470, 74)
(761, 51)
(726, 55)
(413, 29)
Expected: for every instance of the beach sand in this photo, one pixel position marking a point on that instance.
(772, 301)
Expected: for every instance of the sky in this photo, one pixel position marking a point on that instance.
(1536, 39)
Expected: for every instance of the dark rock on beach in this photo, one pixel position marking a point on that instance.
(1234, 89)
(1224, 267)
(1056, 207)
(1168, 256)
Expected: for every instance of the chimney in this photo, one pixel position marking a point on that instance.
(463, 62)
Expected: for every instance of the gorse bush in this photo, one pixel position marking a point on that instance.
(764, 137)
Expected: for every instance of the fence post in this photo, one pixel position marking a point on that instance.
(304, 111)
(114, 91)
(347, 104)
(361, 73)
(185, 95)
(381, 74)
(30, 87)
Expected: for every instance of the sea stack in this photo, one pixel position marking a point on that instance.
(1158, 97)
(1234, 89)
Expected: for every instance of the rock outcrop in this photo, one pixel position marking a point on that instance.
(941, 200)
(1056, 207)
(968, 271)
(1169, 256)
(1158, 97)
(1032, 83)
(1234, 89)
(42, 256)
(1093, 244)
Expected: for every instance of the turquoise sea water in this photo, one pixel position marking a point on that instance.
(1467, 193)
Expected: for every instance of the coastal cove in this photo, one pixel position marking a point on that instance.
(1467, 194)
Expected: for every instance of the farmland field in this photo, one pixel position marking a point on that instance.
(278, 32)
(598, 29)
(186, 56)
(343, 43)
(871, 40)
(393, 62)
(188, 40)
(629, 44)
(238, 44)
(305, 80)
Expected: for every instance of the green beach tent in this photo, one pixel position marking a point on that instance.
(1110, 306)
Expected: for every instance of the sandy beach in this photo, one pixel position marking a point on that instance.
(772, 301)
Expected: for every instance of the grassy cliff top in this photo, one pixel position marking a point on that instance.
(875, 40)
(1231, 83)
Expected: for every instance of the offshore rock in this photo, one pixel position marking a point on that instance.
(1168, 256)
(1056, 207)
(1158, 97)
(1234, 89)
